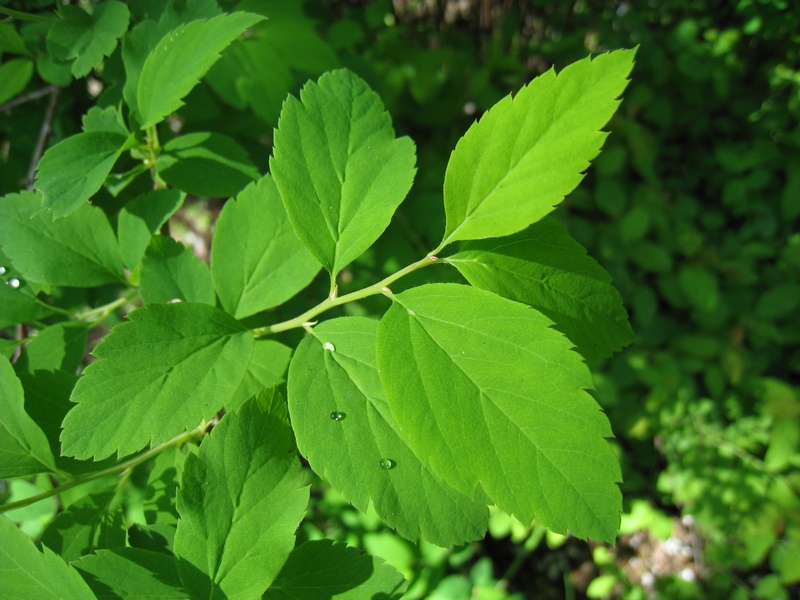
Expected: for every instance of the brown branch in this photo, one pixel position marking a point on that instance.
(44, 133)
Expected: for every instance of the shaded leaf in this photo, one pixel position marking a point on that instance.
(180, 59)
(131, 573)
(546, 268)
(78, 251)
(18, 305)
(171, 271)
(322, 570)
(162, 487)
(141, 218)
(14, 76)
(492, 398)
(241, 500)
(340, 170)
(59, 346)
(28, 573)
(525, 154)
(256, 259)
(345, 429)
(161, 373)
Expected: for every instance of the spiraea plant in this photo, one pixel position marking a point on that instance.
(459, 396)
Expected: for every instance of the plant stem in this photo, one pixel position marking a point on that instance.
(331, 302)
(16, 14)
(128, 464)
(106, 309)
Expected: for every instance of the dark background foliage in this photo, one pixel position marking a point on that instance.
(693, 207)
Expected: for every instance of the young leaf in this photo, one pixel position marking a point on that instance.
(488, 395)
(78, 251)
(131, 573)
(14, 76)
(87, 38)
(92, 522)
(142, 218)
(74, 169)
(267, 369)
(180, 59)
(241, 499)
(171, 271)
(59, 346)
(525, 154)
(546, 268)
(340, 170)
(322, 569)
(256, 259)
(206, 164)
(28, 573)
(346, 431)
(107, 120)
(168, 368)
(24, 449)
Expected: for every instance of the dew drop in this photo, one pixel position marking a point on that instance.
(2, 270)
(329, 347)
(13, 282)
(411, 312)
(387, 463)
(337, 416)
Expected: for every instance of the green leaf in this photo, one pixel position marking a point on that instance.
(323, 570)
(59, 346)
(180, 59)
(73, 170)
(492, 398)
(256, 259)
(701, 288)
(141, 218)
(14, 76)
(87, 38)
(525, 154)
(168, 368)
(267, 369)
(28, 573)
(18, 305)
(340, 170)
(23, 446)
(10, 40)
(206, 164)
(157, 537)
(171, 271)
(131, 573)
(78, 251)
(241, 500)
(162, 487)
(346, 431)
(107, 120)
(546, 268)
(92, 522)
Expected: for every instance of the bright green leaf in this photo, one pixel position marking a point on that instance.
(267, 369)
(180, 59)
(346, 431)
(107, 120)
(206, 164)
(73, 170)
(168, 368)
(87, 38)
(490, 396)
(241, 500)
(321, 569)
(256, 259)
(525, 154)
(24, 449)
(92, 522)
(14, 76)
(546, 268)
(131, 573)
(142, 218)
(78, 251)
(339, 168)
(59, 346)
(171, 271)
(28, 573)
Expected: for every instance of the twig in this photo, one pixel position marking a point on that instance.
(34, 95)
(44, 132)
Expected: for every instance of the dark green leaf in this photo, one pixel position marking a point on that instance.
(131, 573)
(28, 573)
(142, 218)
(157, 537)
(241, 499)
(18, 305)
(340, 170)
(59, 346)
(10, 41)
(162, 487)
(346, 431)
(168, 368)
(256, 259)
(491, 397)
(546, 268)
(14, 76)
(322, 570)
(78, 251)
(171, 271)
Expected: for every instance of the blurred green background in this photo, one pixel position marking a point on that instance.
(693, 207)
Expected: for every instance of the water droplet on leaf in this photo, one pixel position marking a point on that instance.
(329, 347)
(337, 416)
(2, 270)
(13, 282)
(387, 463)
